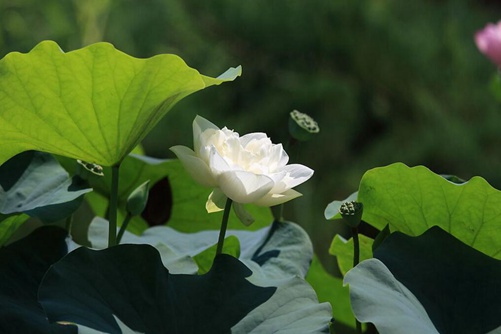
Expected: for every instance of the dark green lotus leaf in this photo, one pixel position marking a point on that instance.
(279, 255)
(90, 287)
(22, 266)
(34, 183)
(95, 104)
(437, 276)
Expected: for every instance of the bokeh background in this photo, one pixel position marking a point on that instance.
(387, 80)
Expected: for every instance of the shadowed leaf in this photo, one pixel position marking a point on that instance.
(34, 183)
(129, 281)
(22, 266)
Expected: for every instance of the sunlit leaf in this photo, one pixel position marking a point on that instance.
(343, 250)
(204, 259)
(10, 225)
(95, 104)
(411, 200)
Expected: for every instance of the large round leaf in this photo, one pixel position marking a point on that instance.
(94, 104)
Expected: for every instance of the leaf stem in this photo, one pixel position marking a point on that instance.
(356, 246)
(68, 223)
(112, 232)
(224, 226)
(123, 227)
(356, 260)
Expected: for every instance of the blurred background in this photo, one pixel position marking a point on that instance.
(387, 80)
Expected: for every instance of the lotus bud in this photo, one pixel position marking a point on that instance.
(136, 202)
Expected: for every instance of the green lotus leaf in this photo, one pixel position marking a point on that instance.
(95, 104)
(411, 200)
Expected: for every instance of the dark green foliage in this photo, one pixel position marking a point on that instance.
(457, 285)
(22, 267)
(129, 281)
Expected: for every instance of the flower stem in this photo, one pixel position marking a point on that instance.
(356, 260)
(224, 226)
(112, 232)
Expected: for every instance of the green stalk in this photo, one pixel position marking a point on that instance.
(224, 226)
(112, 232)
(356, 246)
(356, 260)
(123, 227)
(68, 224)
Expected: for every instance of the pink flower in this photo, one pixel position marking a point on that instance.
(488, 42)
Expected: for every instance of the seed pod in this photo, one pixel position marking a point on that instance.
(352, 212)
(301, 126)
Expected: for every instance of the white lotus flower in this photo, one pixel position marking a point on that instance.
(247, 169)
